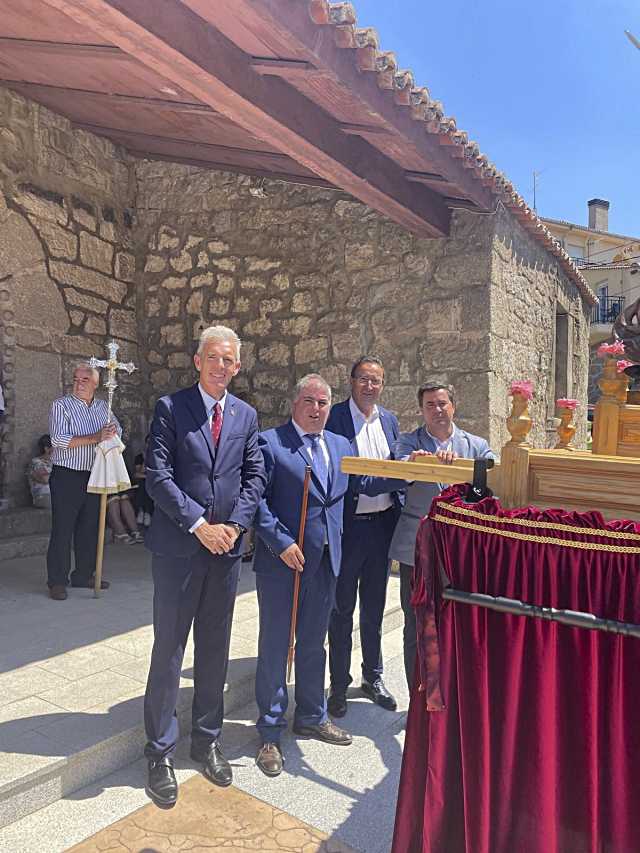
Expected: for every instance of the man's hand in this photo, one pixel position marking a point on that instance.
(446, 456)
(293, 557)
(105, 433)
(418, 454)
(217, 538)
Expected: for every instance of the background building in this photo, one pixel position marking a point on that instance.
(611, 265)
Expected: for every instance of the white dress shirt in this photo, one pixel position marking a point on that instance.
(307, 446)
(209, 404)
(372, 444)
(445, 444)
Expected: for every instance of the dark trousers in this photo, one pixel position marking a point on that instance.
(141, 499)
(198, 590)
(409, 637)
(74, 518)
(275, 595)
(364, 571)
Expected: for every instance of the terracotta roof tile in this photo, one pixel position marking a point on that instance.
(370, 58)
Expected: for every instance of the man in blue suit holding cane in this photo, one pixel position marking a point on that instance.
(287, 451)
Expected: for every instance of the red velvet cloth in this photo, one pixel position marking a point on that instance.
(536, 746)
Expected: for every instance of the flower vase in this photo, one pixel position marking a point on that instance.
(566, 430)
(519, 422)
(612, 383)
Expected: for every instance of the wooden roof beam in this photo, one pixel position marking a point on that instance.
(317, 44)
(66, 48)
(136, 135)
(172, 40)
(42, 89)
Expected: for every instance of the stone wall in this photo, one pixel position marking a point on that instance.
(310, 279)
(67, 269)
(530, 299)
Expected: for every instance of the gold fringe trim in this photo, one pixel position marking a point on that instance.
(543, 540)
(530, 522)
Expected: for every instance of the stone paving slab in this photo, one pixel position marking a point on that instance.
(72, 675)
(348, 793)
(208, 819)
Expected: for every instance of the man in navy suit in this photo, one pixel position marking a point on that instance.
(369, 523)
(206, 475)
(287, 451)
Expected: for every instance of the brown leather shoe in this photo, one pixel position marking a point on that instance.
(327, 731)
(269, 759)
(58, 593)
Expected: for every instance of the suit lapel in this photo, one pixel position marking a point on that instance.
(228, 419)
(197, 409)
(387, 427)
(334, 462)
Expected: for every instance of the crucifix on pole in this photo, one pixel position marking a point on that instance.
(109, 474)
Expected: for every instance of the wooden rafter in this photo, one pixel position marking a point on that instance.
(320, 45)
(172, 40)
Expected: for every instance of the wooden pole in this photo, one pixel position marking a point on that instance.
(100, 550)
(296, 581)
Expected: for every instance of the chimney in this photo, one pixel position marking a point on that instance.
(598, 214)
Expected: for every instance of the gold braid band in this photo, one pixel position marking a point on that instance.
(530, 522)
(543, 540)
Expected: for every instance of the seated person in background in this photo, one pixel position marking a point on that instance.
(38, 474)
(122, 519)
(142, 501)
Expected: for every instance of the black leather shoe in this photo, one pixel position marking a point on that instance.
(379, 694)
(161, 782)
(215, 765)
(337, 703)
(269, 759)
(327, 731)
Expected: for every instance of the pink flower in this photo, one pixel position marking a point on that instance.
(566, 403)
(523, 387)
(620, 365)
(616, 348)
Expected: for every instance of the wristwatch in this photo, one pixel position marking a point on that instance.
(238, 528)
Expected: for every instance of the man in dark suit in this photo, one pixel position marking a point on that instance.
(287, 451)
(205, 475)
(369, 523)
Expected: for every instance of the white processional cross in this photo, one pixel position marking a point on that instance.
(113, 365)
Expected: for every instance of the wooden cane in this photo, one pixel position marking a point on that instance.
(296, 581)
(100, 548)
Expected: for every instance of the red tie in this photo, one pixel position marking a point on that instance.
(216, 424)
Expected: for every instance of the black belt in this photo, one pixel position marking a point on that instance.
(371, 516)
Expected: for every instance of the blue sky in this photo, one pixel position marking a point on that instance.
(551, 86)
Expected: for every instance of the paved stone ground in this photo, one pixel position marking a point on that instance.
(73, 674)
(206, 819)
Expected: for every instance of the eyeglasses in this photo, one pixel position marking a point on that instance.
(364, 380)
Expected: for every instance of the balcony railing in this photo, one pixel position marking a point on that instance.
(607, 309)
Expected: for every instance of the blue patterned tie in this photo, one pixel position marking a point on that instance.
(318, 462)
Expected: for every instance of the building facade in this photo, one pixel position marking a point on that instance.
(610, 263)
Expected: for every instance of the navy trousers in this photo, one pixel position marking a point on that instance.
(364, 571)
(199, 590)
(275, 594)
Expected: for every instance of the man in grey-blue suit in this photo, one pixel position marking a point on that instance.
(205, 474)
(438, 436)
(287, 451)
